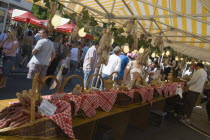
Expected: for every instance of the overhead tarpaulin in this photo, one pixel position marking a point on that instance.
(191, 51)
(190, 17)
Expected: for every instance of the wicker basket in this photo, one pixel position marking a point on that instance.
(91, 77)
(40, 128)
(137, 96)
(156, 94)
(88, 83)
(63, 86)
(137, 99)
(122, 99)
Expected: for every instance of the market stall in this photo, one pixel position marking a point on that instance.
(80, 112)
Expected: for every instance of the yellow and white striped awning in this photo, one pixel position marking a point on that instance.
(191, 16)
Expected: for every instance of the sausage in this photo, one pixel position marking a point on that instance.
(22, 122)
(16, 116)
(5, 124)
(18, 120)
(3, 114)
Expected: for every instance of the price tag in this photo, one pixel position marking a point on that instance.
(47, 108)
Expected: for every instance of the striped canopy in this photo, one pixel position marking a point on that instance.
(181, 21)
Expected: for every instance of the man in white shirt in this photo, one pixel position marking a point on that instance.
(90, 61)
(113, 65)
(43, 54)
(196, 85)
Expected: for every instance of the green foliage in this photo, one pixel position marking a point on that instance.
(96, 30)
(144, 43)
(40, 12)
(93, 22)
(35, 1)
(120, 40)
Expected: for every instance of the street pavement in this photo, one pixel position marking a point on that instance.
(17, 82)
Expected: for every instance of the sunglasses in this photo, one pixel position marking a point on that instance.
(8, 31)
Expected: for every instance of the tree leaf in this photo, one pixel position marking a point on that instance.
(35, 1)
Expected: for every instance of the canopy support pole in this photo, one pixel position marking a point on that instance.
(153, 14)
(185, 32)
(88, 7)
(133, 14)
(175, 12)
(189, 42)
(161, 30)
(178, 36)
(113, 6)
(102, 7)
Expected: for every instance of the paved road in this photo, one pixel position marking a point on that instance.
(18, 82)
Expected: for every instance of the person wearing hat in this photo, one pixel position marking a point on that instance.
(196, 85)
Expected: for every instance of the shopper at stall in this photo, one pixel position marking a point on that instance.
(58, 46)
(124, 62)
(9, 46)
(29, 29)
(196, 85)
(90, 61)
(113, 63)
(74, 57)
(133, 70)
(26, 48)
(84, 51)
(43, 54)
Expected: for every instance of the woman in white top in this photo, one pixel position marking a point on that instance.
(74, 57)
(133, 70)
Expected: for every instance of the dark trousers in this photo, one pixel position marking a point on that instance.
(51, 69)
(208, 109)
(189, 102)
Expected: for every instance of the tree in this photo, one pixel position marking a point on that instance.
(40, 12)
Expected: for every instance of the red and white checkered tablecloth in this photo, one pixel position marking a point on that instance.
(89, 104)
(159, 90)
(143, 93)
(165, 90)
(106, 100)
(62, 117)
(150, 93)
(182, 85)
(130, 93)
(173, 88)
(69, 97)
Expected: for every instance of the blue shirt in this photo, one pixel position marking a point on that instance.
(124, 62)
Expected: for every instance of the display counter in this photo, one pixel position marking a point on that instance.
(117, 119)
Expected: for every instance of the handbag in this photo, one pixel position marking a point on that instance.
(59, 56)
(1, 48)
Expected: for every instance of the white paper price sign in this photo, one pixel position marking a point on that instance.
(47, 108)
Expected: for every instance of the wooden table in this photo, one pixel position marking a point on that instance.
(117, 119)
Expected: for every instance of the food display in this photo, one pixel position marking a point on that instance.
(103, 51)
(74, 34)
(155, 82)
(19, 113)
(108, 84)
(170, 77)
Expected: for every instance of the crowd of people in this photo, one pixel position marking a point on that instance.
(44, 55)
